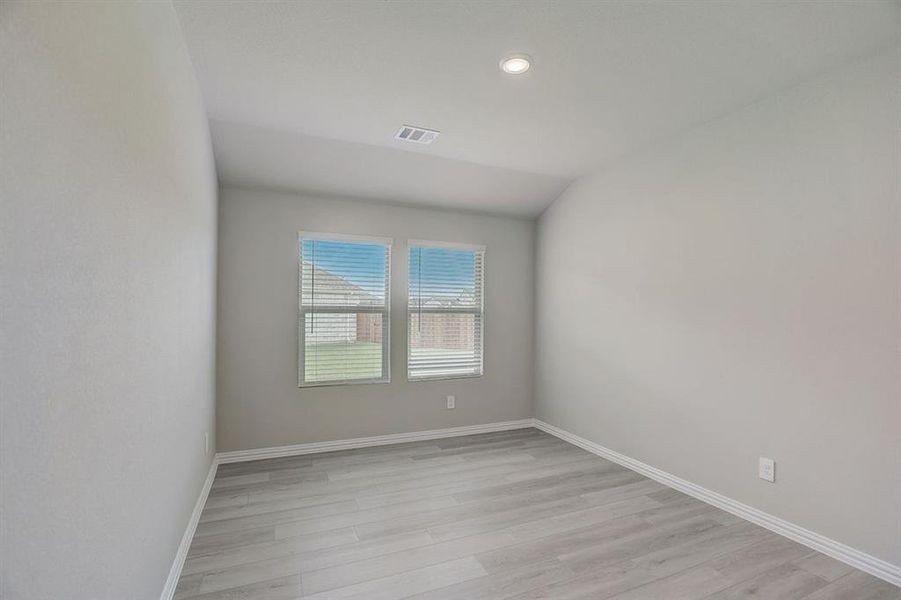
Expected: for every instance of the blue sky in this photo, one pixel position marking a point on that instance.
(441, 272)
(444, 271)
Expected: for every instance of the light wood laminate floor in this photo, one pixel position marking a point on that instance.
(510, 515)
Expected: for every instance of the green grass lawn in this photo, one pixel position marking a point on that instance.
(329, 362)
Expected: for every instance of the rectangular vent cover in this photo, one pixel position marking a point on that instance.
(417, 135)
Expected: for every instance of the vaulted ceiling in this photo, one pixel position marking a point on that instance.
(308, 95)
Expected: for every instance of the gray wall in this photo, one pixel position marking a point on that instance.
(735, 293)
(259, 403)
(107, 262)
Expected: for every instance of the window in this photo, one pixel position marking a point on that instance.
(444, 313)
(343, 318)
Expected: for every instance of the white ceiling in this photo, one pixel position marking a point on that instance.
(254, 157)
(308, 95)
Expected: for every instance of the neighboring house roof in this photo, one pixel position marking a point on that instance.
(464, 299)
(332, 289)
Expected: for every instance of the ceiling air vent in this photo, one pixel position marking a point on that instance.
(417, 135)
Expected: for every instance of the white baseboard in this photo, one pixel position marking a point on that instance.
(185, 545)
(364, 442)
(851, 556)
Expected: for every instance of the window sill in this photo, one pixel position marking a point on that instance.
(315, 384)
(443, 378)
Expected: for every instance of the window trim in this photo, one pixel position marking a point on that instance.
(385, 312)
(411, 243)
(344, 237)
(448, 245)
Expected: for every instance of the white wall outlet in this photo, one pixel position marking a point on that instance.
(206, 442)
(766, 469)
(451, 401)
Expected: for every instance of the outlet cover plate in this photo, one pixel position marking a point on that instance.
(766, 469)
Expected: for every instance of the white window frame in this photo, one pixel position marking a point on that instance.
(476, 311)
(385, 312)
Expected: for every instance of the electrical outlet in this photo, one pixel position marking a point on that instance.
(451, 401)
(766, 469)
(206, 442)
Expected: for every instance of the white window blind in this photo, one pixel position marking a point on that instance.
(445, 311)
(343, 319)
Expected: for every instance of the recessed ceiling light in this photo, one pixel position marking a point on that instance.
(516, 64)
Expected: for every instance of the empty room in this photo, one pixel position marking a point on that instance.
(450, 300)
